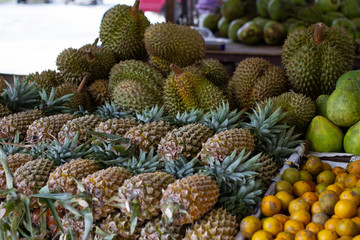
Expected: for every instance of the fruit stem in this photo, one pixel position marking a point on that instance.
(90, 56)
(83, 82)
(319, 32)
(176, 69)
(135, 7)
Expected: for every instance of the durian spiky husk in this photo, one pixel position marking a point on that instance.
(217, 222)
(82, 98)
(255, 79)
(214, 71)
(314, 65)
(46, 79)
(99, 91)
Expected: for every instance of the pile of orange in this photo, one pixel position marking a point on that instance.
(317, 202)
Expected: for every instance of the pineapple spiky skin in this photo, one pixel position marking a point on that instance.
(4, 110)
(145, 190)
(148, 135)
(116, 126)
(195, 194)
(46, 128)
(77, 227)
(99, 91)
(32, 176)
(62, 179)
(268, 169)
(186, 141)
(155, 230)
(119, 224)
(18, 122)
(14, 162)
(224, 143)
(103, 185)
(81, 125)
(216, 224)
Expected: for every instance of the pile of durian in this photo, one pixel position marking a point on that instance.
(143, 138)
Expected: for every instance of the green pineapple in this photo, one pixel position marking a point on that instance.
(218, 223)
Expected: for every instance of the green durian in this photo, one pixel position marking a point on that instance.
(46, 79)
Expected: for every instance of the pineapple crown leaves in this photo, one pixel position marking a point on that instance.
(235, 168)
(12, 146)
(152, 114)
(242, 200)
(221, 118)
(110, 110)
(49, 105)
(188, 117)
(143, 163)
(181, 167)
(265, 123)
(22, 96)
(282, 145)
(80, 112)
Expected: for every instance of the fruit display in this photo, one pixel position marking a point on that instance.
(316, 201)
(269, 22)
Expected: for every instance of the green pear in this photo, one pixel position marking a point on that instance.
(352, 139)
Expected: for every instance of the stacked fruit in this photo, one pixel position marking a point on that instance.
(270, 21)
(317, 202)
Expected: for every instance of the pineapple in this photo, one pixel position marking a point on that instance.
(4, 110)
(32, 176)
(155, 230)
(77, 227)
(224, 143)
(62, 179)
(185, 141)
(142, 193)
(148, 135)
(81, 124)
(116, 126)
(118, 224)
(110, 110)
(268, 169)
(103, 185)
(14, 162)
(46, 128)
(216, 224)
(195, 195)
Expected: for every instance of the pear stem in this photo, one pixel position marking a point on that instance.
(135, 7)
(83, 83)
(319, 32)
(176, 69)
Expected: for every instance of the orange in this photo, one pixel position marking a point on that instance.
(298, 204)
(249, 225)
(327, 234)
(305, 235)
(340, 184)
(345, 209)
(327, 191)
(301, 187)
(357, 237)
(293, 226)
(270, 205)
(312, 185)
(327, 166)
(285, 236)
(350, 195)
(292, 175)
(272, 225)
(357, 184)
(281, 217)
(356, 189)
(305, 176)
(353, 167)
(346, 227)
(285, 199)
(327, 203)
(283, 185)
(320, 187)
(326, 176)
(335, 188)
(314, 227)
(337, 170)
(347, 238)
(315, 208)
(334, 216)
(302, 216)
(358, 211)
(262, 235)
(310, 197)
(314, 165)
(331, 224)
(357, 221)
(351, 179)
(320, 218)
(341, 177)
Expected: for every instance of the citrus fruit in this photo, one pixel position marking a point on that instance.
(346, 227)
(292, 175)
(285, 199)
(348, 238)
(331, 223)
(351, 179)
(326, 176)
(305, 235)
(341, 177)
(315, 208)
(283, 185)
(320, 218)
(301, 187)
(285, 236)
(281, 217)
(350, 195)
(327, 202)
(310, 197)
(337, 170)
(293, 226)
(298, 204)
(305, 175)
(327, 234)
(357, 237)
(272, 225)
(249, 225)
(356, 220)
(326, 166)
(302, 216)
(320, 187)
(270, 205)
(335, 188)
(327, 191)
(356, 189)
(345, 209)
(314, 227)
(314, 165)
(353, 167)
(262, 235)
